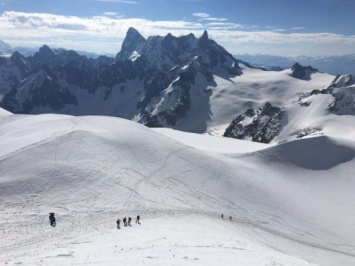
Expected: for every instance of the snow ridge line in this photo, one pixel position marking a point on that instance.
(33, 145)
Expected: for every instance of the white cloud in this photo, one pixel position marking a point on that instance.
(201, 15)
(298, 28)
(205, 16)
(10, 1)
(105, 33)
(130, 2)
(112, 14)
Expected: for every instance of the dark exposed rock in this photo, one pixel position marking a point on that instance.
(264, 126)
(302, 72)
(203, 42)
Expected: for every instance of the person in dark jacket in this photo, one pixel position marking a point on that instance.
(125, 221)
(52, 219)
(137, 220)
(118, 224)
(129, 221)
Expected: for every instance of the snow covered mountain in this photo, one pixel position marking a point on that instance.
(291, 204)
(150, 82)
(186, 83)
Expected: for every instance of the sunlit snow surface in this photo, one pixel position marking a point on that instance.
(291, 204)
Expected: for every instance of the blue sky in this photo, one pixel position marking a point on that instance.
(278, 27)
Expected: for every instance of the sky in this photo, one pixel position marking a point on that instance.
(276, 27)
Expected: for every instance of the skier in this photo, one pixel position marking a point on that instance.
(125, 221)
(129, 221)
(137, 220)
(230, 218)
(222, 215)
(52, 219)
(118, 224)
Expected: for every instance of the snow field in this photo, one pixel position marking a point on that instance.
(170, 238)
(291, 204)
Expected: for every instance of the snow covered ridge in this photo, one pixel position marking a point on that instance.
(289, 204)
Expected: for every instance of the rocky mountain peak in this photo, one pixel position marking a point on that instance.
(132, 33)
(302, 72)
(44, 55)
(133, 42)
(20, 61)
(204, 41)
(45, 51)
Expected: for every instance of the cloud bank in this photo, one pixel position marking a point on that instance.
(105, 33)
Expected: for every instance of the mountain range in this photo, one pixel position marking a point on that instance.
(187, 83)
(335, 65)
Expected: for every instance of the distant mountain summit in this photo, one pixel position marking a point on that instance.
(302, 72)
(5, 48)
(335, 65)
(132, 45)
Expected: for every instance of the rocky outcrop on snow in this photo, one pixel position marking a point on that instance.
(260, 125)
(343, 90)
(342, 81)
(302, 72)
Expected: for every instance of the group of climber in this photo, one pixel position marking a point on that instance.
(230, 217)
(127, 222)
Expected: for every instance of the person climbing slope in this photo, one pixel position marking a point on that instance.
(52, 219)
(118, 224)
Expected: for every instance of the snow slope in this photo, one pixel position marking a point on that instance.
(212, 143)
(213, 109)
(4, 112)
(320, 114)
(291, 205)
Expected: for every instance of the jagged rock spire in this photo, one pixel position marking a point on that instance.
(204, 41)
(132, 33)
(132, 42)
